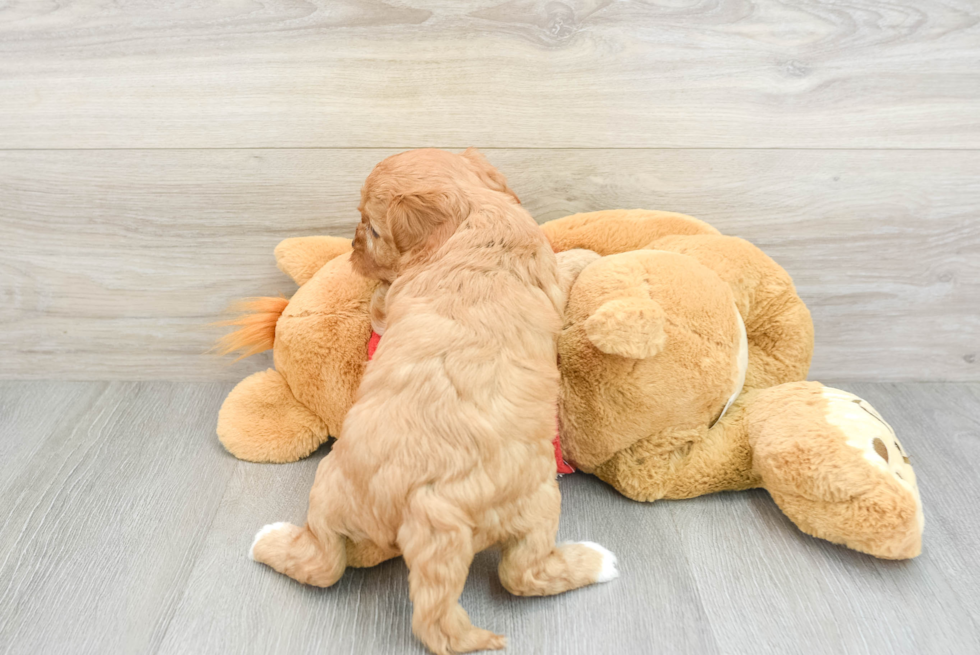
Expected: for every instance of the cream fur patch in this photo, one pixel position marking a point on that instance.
(867, 431)
(743, 364)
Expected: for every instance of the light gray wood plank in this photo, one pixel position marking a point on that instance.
(235, 605)
(30, 412)
(939, 424)
(112, 263)
(132, 528)
(769, 588)
(581, 73)
(101, 526)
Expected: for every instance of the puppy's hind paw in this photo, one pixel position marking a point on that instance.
(272, 527)
(610, 565)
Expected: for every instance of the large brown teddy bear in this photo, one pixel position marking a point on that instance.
(683, 356)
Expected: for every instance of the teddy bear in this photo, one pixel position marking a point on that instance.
(683, 363)
(319, 340)
(683, 357)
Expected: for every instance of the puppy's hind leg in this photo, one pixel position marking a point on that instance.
(533, 565)
(317, 560)
(438, 553)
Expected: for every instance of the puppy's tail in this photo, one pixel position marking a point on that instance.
(303, 556)
(256, 326)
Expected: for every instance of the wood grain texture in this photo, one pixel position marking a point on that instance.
(743, 550)
(128, 531)
(368, 610)
(944, 421)
(102, 523)
(519, 73)
(112, 263)
(30, 412)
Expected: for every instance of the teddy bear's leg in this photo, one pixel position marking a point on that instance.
(836, 468)
(261, 421)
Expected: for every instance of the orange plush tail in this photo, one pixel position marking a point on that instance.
(257, 326)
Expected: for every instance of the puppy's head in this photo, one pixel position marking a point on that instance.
(412, 203)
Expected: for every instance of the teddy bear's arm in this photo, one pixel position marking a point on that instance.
(619, 230)
(675, 463)
(301, 257)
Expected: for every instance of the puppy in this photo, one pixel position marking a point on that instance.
(448, 448)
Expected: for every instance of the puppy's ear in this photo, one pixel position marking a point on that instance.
(490, 176)
(415, 217)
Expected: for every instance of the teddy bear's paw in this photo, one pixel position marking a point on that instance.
(261, 421)
(610, 564)
(868, 432)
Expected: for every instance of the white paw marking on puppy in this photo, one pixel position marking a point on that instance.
(609, 562)
(261, 533)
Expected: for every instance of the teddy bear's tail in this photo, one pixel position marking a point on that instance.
(257, 326)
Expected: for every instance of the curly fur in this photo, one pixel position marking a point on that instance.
(447, 450)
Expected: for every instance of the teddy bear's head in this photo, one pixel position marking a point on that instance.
(651, 340)
(320, 348)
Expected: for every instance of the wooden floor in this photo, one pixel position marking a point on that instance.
(124, 528)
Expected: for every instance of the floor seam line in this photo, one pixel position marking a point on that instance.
(197, 557)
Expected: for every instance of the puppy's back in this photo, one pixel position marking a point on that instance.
(468, 363)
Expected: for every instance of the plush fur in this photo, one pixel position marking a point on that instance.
(640, 407)
(859, 488)
(320, 352)
(614, 231)
(649, 354)
(447, 449)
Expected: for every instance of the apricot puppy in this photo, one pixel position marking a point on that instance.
(447, 450)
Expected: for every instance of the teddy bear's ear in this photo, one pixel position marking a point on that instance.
(628, 327)
(301, 257)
